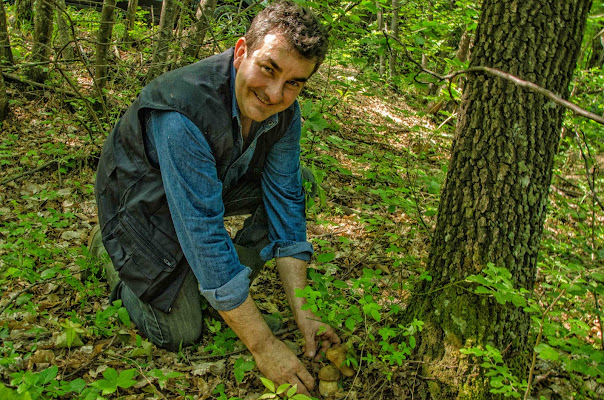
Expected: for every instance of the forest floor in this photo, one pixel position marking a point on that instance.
(380, 164)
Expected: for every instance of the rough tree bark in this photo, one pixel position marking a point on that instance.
(205, 16)
(6, 55)
(64, 30)
(42, 35)
(104, 37)
(3, 98)
(169, 11)
(493, 203)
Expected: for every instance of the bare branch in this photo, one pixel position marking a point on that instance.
(514, 79)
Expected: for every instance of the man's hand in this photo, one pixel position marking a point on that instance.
(278, 363)
(273, 358)
(318, 336)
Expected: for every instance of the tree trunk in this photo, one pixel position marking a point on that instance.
(6, 55)
(130, 18)
(3, 98)
(169, 11)
(206, 12)
(64, 30)
(42, 35)
(394, 33)
(24, 11)
(597, 51)
(493, 203)
(184, 18)
(381, 26)
(103, 43)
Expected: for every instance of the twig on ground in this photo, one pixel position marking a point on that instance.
(19, 79)
(29, 172)
(94, 357)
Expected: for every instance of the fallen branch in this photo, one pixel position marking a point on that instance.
(15, 78)
(29, 172)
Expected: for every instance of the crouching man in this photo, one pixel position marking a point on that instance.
(212, 139)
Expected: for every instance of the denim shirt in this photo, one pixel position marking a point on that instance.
(194, 194)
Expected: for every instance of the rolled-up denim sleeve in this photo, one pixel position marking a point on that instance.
(194, 195)
(284, 198)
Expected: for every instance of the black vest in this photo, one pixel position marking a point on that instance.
(136, 224)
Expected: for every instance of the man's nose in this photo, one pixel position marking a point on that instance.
(274, 91)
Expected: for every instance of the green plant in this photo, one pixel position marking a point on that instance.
(113, 380)
(285, 391)
(242, 365)
(501, 379)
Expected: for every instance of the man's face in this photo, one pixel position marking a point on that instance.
(269, 78)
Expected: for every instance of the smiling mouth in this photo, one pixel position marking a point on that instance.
(262, 101)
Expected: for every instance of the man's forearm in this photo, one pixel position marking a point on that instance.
(248, 324)
(292, 272)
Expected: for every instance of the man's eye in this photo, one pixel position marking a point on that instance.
(293, 84)
(267, 69)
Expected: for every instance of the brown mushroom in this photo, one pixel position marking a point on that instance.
(337, 355)
(328, 381)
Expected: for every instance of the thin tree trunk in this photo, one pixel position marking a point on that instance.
(65, 31)
(381, 26)
(42, 34)
(184, 18)
(162, 46)
(597, 51)
(3, 98)
(394, 33)
(493, 203)
(104, 38)
(24, 11)
(130, 18)
(205, 12)
(6, 55)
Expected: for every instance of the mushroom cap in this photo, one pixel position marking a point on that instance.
(329, 373)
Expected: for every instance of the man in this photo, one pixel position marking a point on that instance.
(216, 138)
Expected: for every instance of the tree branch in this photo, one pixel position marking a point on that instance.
(509, 77)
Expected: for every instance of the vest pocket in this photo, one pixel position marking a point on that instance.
(140, 264)
(149, 258)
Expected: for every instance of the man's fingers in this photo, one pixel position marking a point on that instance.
(310, 346)
(306, 378)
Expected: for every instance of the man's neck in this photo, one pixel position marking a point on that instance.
(246, 124)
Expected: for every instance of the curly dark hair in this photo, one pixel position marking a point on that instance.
(297, 24)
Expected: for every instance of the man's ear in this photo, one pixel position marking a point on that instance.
(240, 52)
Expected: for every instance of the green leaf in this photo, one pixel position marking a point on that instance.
(239, 374)
(326, 257)
(110, 374)
(546, 352)
(122, 313)
(268, 384)
(350, 323)
(478, 279)
(124, 380)
(282, 388)
(292, 392)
